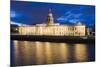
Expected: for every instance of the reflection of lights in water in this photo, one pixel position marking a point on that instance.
(80, 52)
(26, 51)
(39, 53)
(23, 52)
(48, 52)
(30, 52)
(59, 52)
(16, 51)
(64, 53)
(55, 52)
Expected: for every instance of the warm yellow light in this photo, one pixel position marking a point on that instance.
(80, 52)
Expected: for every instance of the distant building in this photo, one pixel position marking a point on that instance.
(90, 32)
(53, 29)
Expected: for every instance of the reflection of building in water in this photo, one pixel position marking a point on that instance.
(80, 52)
(35, 52)
(51, 28)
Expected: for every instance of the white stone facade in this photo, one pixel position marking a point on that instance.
(57, 30)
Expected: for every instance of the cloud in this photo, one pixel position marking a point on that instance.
(80, 14)
(19, 24)
(69, 17)
(12, 14)
(74, 20)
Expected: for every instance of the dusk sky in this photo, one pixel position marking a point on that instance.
(36, 12)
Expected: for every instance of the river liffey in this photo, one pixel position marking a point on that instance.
(35, 52)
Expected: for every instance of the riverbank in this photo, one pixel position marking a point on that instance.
(70, 39)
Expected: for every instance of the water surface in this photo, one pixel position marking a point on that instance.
(35, 52)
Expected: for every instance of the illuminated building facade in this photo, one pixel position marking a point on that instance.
(53, 29)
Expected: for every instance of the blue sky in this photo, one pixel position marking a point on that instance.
(36, 12)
